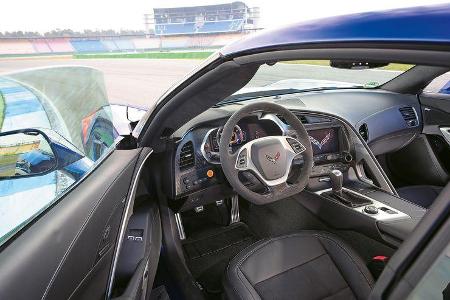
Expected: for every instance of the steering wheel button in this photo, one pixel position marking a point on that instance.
(242, 159)
(296, 146)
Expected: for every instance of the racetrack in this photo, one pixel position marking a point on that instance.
(129, 81)
(142, 81)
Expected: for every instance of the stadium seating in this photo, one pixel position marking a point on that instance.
(110, 45)
(41, 46)
(60, 45)
(125, 45)
(175, 42)
(225, 39)
(146, 43)
(88, 46)
(192, 28)
(18, 46)
(117, 44)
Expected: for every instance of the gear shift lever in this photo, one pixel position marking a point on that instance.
(336, 181)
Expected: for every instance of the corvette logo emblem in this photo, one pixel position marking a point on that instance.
(322, 143)
(273, 159)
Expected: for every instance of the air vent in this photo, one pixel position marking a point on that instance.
(187, 157)
(409, 115)
(364, 131)
(302, 118)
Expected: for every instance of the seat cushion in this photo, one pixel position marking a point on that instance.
(305, 265)
(422, 195)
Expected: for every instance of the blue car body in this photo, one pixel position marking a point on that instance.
(429, 24)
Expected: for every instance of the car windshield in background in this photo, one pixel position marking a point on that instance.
(307, 75)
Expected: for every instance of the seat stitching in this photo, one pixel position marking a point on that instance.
(349, 256)
(241, 260)
(287, 270)
(271, 240)
(344, 288)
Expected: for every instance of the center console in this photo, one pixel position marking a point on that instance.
(355, 205)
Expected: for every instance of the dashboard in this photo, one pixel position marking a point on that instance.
(376, 115)
(197, 160)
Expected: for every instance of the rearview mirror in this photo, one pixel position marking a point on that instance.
(356, 65)
(25, 153)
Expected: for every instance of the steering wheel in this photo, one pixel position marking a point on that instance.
(269, 158)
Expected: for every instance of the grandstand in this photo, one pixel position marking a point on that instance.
(182, 28)
(207, 19)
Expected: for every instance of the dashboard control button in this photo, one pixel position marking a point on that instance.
(210, 173)
(371, 210)
(186, 180)
(348, 157)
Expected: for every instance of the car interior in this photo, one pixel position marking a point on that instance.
(302, 193)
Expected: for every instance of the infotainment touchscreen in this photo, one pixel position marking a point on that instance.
(324, 140)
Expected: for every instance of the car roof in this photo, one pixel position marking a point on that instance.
(429, 24)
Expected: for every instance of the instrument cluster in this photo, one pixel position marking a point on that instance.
(245, 131)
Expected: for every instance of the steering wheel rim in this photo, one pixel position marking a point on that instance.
(283, 154)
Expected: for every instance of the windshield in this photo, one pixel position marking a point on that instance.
(306, 75)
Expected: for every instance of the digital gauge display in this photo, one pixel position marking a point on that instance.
(237, 138)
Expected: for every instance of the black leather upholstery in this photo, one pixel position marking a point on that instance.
(305, 265)
(422, 195)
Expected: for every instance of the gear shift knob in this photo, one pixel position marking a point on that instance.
(336, 181)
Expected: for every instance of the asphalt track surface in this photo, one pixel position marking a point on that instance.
(128, 81)
(142, 81)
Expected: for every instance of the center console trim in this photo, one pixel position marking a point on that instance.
(381, 215)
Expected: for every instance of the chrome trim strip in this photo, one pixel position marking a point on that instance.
(180, 227)
(381, 215)
(123, 225)
(445, 133)
(274, 118)
(202, 147)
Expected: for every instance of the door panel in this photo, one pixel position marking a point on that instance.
(436, 118)
(430, 151)
(71, 245)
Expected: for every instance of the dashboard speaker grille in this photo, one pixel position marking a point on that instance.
(187, 157)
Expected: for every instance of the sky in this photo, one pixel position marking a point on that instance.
(46, 15)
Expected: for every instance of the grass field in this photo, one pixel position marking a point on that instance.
(2, 110)
(149, 55)
(390, 67)
(205, 54)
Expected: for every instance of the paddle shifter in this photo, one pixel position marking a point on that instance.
(336, 182)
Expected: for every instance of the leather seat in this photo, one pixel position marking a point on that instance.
(305, 265)
(422, 195)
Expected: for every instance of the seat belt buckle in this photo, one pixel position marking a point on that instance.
(376, 266)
